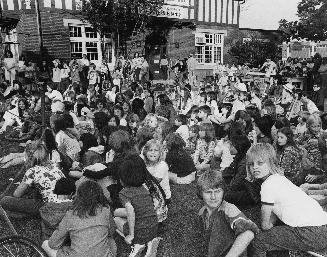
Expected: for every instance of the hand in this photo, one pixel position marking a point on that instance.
(129, 239)
(110, 156)
(75, 165)
(311, 178)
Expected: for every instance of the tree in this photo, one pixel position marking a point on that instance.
(254, 52)
(121, 18)
(312, 23)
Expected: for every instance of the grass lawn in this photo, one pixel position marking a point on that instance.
(181, 237)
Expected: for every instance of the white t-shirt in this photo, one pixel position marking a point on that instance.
(55, 95)
(160, 171)
(291, 205)
(183, 131)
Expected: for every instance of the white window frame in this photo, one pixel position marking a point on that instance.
(213, 41)
(84, 39)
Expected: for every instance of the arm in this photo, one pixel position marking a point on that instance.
(240, 244)
(60, 235)
(210, 152)
(267, 216)
(131, 222)
(20, 190)
(196, 153)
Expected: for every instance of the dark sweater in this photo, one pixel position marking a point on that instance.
(180, 162)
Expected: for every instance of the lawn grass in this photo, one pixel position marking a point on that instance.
(181, 232)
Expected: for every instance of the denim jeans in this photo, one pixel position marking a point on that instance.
(284, 237)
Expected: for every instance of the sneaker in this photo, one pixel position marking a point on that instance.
(152, 247)
(137, 250)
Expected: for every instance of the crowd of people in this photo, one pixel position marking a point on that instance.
(107, 157)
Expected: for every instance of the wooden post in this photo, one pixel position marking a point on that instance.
(39, 26)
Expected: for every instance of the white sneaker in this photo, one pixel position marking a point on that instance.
(153, 247)
(137, 250)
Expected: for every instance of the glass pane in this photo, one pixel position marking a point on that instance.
(209, 38)
(208, 54)
(76, 49)
(199, 55)
(217, 55)
(75, 31)
(218, 38)
(92, 50)
(108, 52)
(90, 32)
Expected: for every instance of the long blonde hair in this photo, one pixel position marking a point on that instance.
(262, 152)
(37, 154)
(147, 147)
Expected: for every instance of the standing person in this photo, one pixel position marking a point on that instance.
(164, 66)
(43, 72)
(191, 67)
(304, 221)
(144, 72)
(89, 225)
(136, 66)
(64, 74)
(9, 63)
(56, 75)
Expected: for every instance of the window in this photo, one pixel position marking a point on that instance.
(75, 31)
(85, 40)
(108, 51)
(76, 49)
(92, 50)
(90, 32)
(209, 51)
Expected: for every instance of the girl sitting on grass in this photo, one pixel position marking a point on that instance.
(137, 221)
(89, 225)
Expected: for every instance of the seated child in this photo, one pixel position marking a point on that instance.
(182, 130)
(226, 228)
(137, 221)
(181, 166)
(89, 225)
(52, 212)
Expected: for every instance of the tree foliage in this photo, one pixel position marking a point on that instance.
(121, 18)
(312, 23)
(254, 52)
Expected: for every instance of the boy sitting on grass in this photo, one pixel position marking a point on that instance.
(227, 230)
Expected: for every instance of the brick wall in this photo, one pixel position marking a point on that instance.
(55, 35)
(180, 43)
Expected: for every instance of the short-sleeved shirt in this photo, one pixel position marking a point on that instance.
(290, 204)
(231, 212)
(45, 179)
(145, 217)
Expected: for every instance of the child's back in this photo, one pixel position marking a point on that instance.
(146, 222)
(89, 236)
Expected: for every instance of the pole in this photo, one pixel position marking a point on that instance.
(39, 26)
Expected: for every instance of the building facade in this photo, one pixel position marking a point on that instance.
(304, 50)
(65, 33)
(205, 28)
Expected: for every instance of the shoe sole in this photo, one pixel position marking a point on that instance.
(152, 250)
(138, 253)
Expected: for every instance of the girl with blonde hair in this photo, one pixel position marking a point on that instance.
(153, 156)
